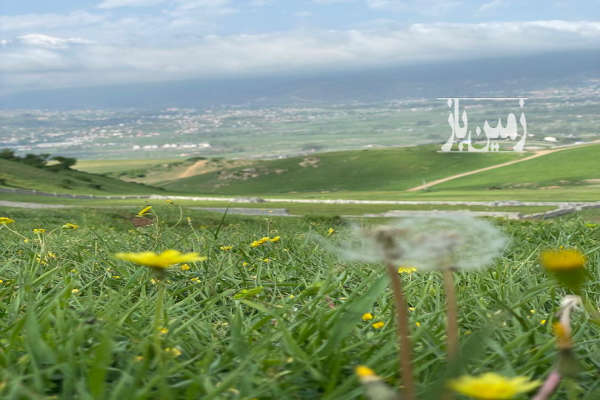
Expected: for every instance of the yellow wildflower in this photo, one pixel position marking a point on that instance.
(275, 239)
(1, 281)
(75, 291)
(563, 337)
(244, 264)
(364, 372)
(185, 267)
(174, 351)
(51, 254)
(491, 386)
(378, 325)
(367, 316)
(226, 248)
(25, 240)
(267, 260)
(144, 211)
(562, 259)
(418, 324)
(6, 220)
(154, 281)
(116, 276)
(543, 322)
(163, 331)
(39, 230)
(406, 270)
(69, 225)
(162, 260)
(330, 231)
(195, 279)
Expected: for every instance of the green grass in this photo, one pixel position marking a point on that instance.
(356, 171)
(293, 208)
(566, 167)
(18, 175)
(104, 166)
(299, 337)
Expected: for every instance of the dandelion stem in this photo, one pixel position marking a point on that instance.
(404, 344)
(452, 315)
(549, 386)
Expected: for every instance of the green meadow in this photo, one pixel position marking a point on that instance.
(278, 321)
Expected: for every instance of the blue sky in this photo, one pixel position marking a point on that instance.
(71, 43)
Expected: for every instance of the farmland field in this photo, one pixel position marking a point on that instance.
(280, 320)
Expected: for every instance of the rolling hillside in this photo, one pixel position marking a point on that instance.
(569, 167)
(394, 169)
(18, 175)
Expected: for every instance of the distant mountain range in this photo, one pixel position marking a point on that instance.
(483, 77)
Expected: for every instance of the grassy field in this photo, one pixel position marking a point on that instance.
(292, 208)
(394, 169)
(18, 175)
(279, 321)
(564, 168)
(109, 166)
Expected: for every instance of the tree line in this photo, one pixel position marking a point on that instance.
(39, 160)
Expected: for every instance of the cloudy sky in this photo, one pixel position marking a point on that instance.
(78, 43)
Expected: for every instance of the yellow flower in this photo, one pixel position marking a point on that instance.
(378, 325)
(39, 230)
(562, 259)
(226, 248)
(162, 260)
(563, 337)
(195, 279)
(267, 260)
(367, 316)
(406, 270)
(163, 331)
(144, 211)
(491, 386)
(185, 267)
(365, 374)
(169, 201)
(418, 324)
(244, 264)
(6, 220)
(174, 351)
(25, 240)
(75, 291)
(116, 277)
(260, 241)
(69, 225)
(51, 254)
(543, 322)
(330, 231)
(275, 239)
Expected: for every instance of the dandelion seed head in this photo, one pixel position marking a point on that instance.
(459, 241)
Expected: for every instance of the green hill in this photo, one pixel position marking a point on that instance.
(15, 174)
(393, 169)
(574, 166)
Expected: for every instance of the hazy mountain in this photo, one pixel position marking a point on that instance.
(483, 77)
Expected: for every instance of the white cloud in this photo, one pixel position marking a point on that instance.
(119, 56)
(129, 3)
(492, 5)
(40, 40)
